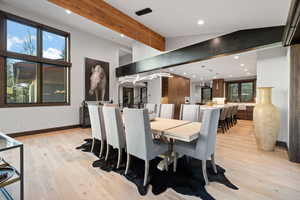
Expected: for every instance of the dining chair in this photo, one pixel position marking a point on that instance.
(235, 114)
(204, 147)
(232, 115)
(189, 113)
(114, 130)
(97, 125)
(167, 111)
(151, 107)
(228, 116)
(222, 119)
(139, 140)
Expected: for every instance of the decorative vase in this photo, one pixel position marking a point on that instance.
(266, 120)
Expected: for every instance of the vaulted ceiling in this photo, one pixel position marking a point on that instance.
(173, 18)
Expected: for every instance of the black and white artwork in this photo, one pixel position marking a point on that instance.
(96, 80)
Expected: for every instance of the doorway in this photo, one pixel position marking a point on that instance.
(128, 99)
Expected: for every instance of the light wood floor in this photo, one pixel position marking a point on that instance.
(54, 170)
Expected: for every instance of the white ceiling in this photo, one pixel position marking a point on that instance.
(226, 67)
(57, 14)
(173, 18)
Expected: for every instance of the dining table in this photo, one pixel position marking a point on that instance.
(173, 130)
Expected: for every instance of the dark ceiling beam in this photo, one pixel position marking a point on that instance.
(231, 43)
(291, 33)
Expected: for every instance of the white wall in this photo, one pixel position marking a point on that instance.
(173, 43)
(83, 45)
(273, 71)
(126, 59)
(195, 93)
(141, 51)
(155, 91)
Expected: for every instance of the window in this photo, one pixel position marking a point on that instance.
(233, 92)
(54, 83)
(247, 91)
(240, 91)
(21, 81)
(34, 63)
(54, 46)
(206, 94)
(21, 38)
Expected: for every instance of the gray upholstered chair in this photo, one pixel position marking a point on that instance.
(158, 109)
(204, 147)
(97, 124)
(139, 140)
(235, 114)
(190, 113)
(229, 116)
(167, 111)
(151, 107)
(222, 119)
(115, 132)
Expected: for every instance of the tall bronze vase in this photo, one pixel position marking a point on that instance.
(266, 120)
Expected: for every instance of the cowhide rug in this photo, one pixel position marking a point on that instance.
(187, 180)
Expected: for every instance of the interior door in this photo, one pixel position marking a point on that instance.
(128, 97)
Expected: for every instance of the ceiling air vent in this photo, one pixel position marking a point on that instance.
(143, 11)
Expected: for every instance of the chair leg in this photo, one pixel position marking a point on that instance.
(204, 172)
(175, 162)
(101, 149)
(227, 124)
(166, 163)
(147, 162)
(223, 126)
(127, 164)
(107, 151)
(214, 163)
(187, 159)
(119, 158)
(93, 144)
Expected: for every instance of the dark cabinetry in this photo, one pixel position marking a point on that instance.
(218, 88)
(246, 114)
(174, 89)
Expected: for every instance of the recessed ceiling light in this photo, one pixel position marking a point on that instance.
(245, 69)
(242, 65)
(236, 57)
(248, 73)
(68, 11)
(184, 73)
(200, 22)
(215, 76)
(122, 35)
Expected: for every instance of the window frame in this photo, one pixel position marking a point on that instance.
(4, 54)
(202, 93)
(239, 82)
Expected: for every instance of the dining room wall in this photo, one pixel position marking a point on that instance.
(273, 70)
(141, 51)
(14, 120)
